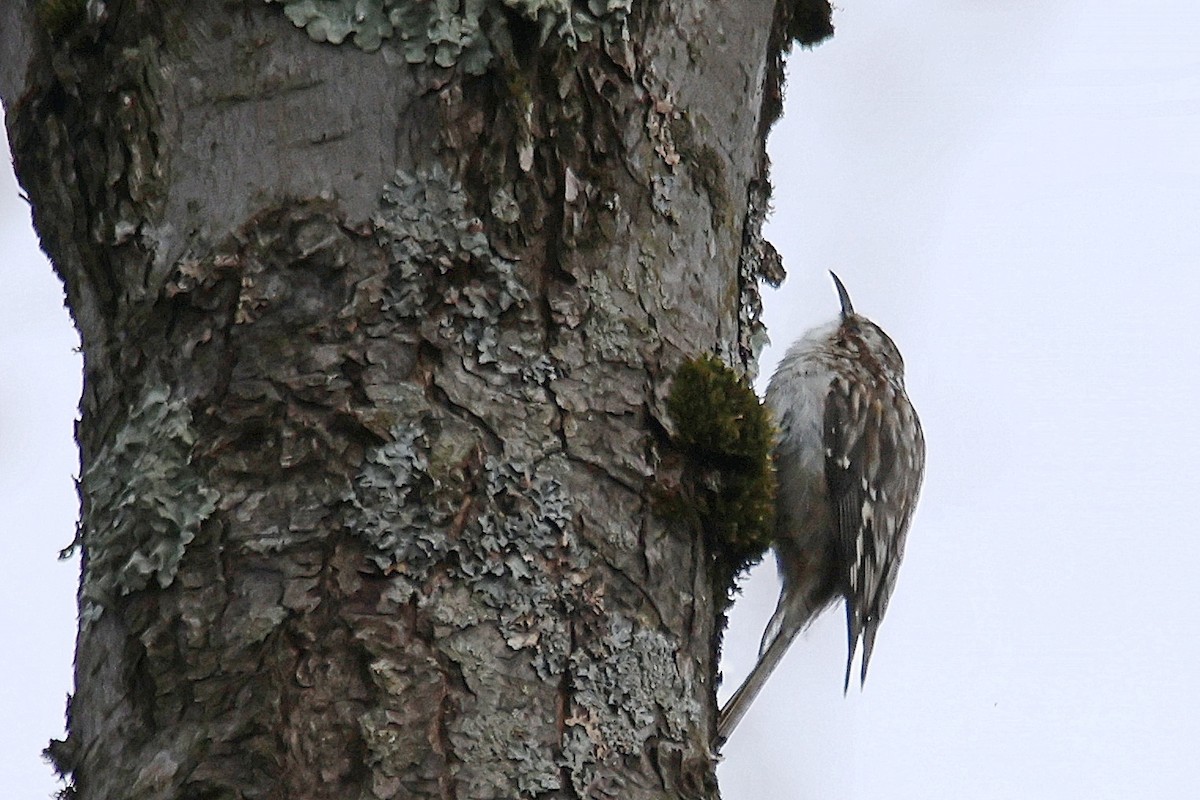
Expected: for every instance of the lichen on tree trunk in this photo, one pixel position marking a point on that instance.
(377, 341)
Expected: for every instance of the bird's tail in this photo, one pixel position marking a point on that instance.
(769, 658)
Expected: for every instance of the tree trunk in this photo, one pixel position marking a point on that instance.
(377, 333)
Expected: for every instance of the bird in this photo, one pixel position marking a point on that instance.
(850, 458)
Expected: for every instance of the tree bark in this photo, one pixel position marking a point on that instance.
(377, 333)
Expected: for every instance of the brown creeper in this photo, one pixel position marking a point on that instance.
(850, 456)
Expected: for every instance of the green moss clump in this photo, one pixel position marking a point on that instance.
(58, 17)
(726, 435)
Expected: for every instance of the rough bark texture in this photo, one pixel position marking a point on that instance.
(376, 345)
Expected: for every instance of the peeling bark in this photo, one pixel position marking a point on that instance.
(377, 341)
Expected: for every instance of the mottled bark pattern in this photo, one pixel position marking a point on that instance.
(376, 355)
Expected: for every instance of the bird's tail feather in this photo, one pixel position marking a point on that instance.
(733, 711)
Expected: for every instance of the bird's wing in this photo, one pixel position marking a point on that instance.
(873, 472)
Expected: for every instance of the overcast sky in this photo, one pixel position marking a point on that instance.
(1012, 190)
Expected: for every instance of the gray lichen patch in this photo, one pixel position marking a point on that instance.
(530, 524)
(613, 332)
(502, 581)
(446, 33)
(505, 532)
(429, 233)
(333, 20)
(641, 674)
(491, 744)
(146, 502)
(392, 508)
(501, 750)
(506, 588)
(445, 274)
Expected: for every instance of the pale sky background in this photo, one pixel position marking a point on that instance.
(1012, 190)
